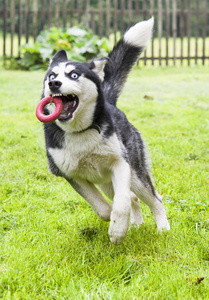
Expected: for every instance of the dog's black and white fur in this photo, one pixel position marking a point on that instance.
(92, 144)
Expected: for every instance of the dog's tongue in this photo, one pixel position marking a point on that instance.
(67, 106)
(67, 110)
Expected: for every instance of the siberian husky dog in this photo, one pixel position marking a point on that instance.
(92, 144)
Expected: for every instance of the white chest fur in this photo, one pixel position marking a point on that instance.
(87, 156)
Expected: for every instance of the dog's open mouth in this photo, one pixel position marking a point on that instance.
(70, 103)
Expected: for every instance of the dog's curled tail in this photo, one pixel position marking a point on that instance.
(123, 57)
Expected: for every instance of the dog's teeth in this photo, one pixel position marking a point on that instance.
(74, 103)
(56, 95)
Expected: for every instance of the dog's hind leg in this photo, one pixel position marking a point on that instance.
(90, 193)
(107, 189)
(146, 192)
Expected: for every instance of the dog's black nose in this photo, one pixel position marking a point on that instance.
(54, 85)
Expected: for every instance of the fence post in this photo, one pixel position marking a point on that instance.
(182, 28)
(12, 18)
(152, 14)
(87, 14)
(145, 16)
(130, 16)
(35, 14)
(72, 5)
(196, 29)
(174, 29)
(49, 13)
(115, 19)
(42, 14)
(204, 29)
(79, 10)
(100, 18)
(108, 17)
(57, 12)
(122, 8)
(64, 13)
(167, 13)
(159, 27)
(4, 27)
(19, 26)
(27, 6)
(189, 29)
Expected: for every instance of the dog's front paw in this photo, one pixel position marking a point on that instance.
(116, 239)
(118, 228)
(163, 226)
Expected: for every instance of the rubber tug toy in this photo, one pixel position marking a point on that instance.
(49, 118)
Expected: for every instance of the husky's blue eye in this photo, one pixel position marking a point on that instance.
(74, 75)
(52, 76)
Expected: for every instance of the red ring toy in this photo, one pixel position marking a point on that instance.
(48, 118)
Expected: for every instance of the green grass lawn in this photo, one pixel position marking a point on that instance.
(53, 246)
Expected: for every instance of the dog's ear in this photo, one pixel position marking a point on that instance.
(60, 56)
(97, 66)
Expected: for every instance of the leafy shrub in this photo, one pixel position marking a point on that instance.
(80, 45)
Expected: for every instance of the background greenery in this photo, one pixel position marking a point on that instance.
(97, 47)
(52, 244)
(80, 44)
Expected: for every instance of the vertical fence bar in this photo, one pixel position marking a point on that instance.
(87, 14)
(79, 9)
(204, 9)
(64, 13)
(144, 17)
(100, 18)
(107, 18)
(4, 26)
(130, 15)
(27, 18)
(35, 14)
(196, 29)
(144, 8)
(167, 29)
(188, 29)
(49, 13)
(174, 29)
(93, 27)
(57, 12)
(42, 14)
(182, 28)
(72, 6)
(137, 11)
(19, 26)
(115, 19)
(122, 9)
(160, 28)
(152, 14)
(12, 18)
